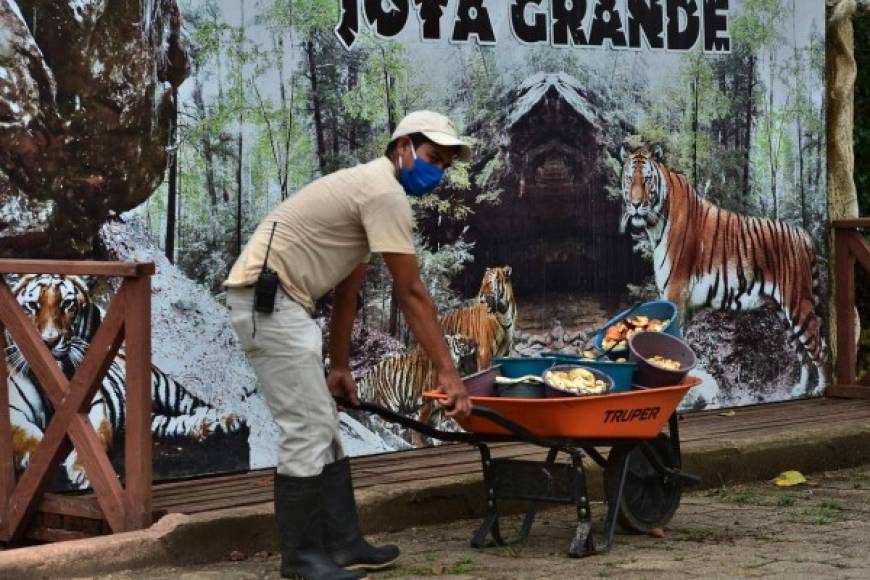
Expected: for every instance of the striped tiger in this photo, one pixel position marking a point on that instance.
(67, 319)
(705, 256)
(474, 322)
(398, 382)
(497, 292)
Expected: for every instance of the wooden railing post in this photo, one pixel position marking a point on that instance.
(850, 249)
(844, 299)
(137, 443)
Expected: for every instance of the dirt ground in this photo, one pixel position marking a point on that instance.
(817, 530)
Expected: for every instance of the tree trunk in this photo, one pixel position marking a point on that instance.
(222, 151)
(286, 124)
(351, 85)
(697, 90)
(391, 123)
(750, 89)
(772, 152)
(394, 313)
(205, 141)
(819, 140)
(336, 146)
(239, 196)
(800, 131)
(173, 182)
(315, 105)
(391, 114)
(240, 150)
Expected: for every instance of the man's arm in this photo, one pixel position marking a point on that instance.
(420, 314)
(340, 381)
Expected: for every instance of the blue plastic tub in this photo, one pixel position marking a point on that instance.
(515, 367)
(660, 309)
(622, 373)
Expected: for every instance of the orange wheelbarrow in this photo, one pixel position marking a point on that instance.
(643, 479)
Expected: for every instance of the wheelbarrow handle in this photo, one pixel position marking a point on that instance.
(516, 430)
(408, 422)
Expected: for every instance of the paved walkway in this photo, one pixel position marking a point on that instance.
(818, 530)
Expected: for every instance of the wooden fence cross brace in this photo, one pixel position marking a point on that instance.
(123, 510)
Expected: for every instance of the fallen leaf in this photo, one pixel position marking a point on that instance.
(438, 569)
(728, 413)
(657, 533)
(789, 478)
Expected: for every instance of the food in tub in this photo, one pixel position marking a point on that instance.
(665, 363)
(578, 380)
(616, 335)
(514, 381)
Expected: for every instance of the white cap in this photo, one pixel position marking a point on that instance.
(435, 127)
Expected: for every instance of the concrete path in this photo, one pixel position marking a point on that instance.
(818, 530)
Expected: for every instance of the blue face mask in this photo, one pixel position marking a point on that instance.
(421, 178)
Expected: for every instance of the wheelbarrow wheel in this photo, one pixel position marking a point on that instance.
(649, 498)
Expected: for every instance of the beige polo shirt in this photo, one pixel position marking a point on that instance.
(327, 229)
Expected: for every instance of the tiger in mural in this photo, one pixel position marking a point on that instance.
(67, 319)
(490, 321)
(398, 382)
(497, 292)
(705, 256)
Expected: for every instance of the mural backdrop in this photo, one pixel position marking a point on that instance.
(624, 151)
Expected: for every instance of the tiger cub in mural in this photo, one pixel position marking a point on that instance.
(67, 319)
(473, 322)
(397, 382)
(709, 257)
(490, 322)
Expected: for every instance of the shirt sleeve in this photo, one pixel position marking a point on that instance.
(389, 224)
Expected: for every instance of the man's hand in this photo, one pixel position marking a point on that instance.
(342, 385)
(457, 403)
(420, 314)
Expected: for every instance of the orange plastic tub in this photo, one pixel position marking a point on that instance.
(638, 414)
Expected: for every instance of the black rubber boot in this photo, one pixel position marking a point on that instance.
(301, 525)
(344, 539)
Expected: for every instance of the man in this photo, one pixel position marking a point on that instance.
(319, 239)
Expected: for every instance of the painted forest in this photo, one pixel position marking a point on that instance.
(273, 101)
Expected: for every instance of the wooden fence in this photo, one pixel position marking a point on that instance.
(850, 247)
(128, 318)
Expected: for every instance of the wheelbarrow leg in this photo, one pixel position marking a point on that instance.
(489, 526)
(674, 432)
(583, 543)
(614, 494)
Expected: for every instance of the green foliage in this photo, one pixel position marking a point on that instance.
(440, 266)
(263, 80)
(755, 27)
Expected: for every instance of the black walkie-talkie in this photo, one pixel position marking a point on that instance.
(267, 283)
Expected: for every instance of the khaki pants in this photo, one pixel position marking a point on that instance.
(286, 353)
